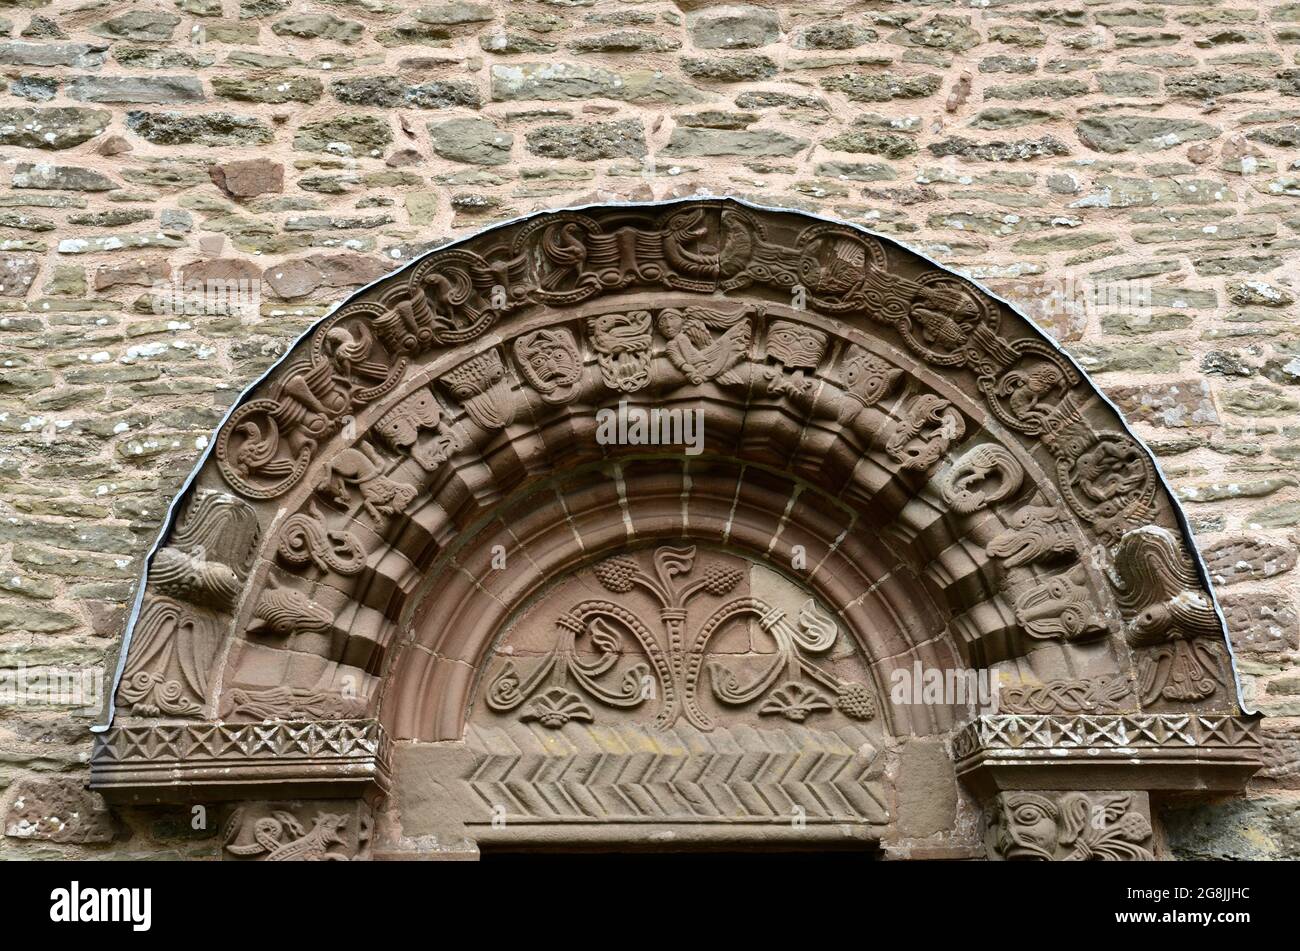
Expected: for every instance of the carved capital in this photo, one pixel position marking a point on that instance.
(1070, 826)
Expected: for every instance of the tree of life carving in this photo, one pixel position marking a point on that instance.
(676, 656)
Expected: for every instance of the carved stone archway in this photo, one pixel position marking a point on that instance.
(462, 565)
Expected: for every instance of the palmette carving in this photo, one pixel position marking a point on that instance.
(670, 271)
(480, 385)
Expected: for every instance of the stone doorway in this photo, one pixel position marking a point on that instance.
(676, 525)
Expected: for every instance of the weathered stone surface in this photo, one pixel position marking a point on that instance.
(62, 177)
(56, 128)
(1235, 830)
(148, 25)
(1173, 405)
(738, 68)
(625, 41)
(81, 55)
(1030, 147)
(474, 141)
(733, 27)
(1247, 559)
(587, 142)
(882, 87)
(130, 89)
(209, 128)
(928, 789)
(560, 81)
(1019, 150)
(941, 32)
(1261, 622)
(58, 809)
(249, 178)
(310, 26)
(873, 142)
(391, 91)
(706, 142)
(279, 90)
(345, 135)
(1128, 133)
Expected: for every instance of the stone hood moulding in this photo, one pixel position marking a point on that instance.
(639, 520)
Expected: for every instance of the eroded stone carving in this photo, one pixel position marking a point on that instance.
(400, 429)
(694, 350)
(363, 469)
(306, 538)
(1059, 605)
(285, 703)
(622, 343)
(582, 258)
(795, 352)
(983, 476)
(296, 833)
(1084, 695)
(286, 611)
(867, 380)
(1038, 533)
(930, 424)
(194, 583)
(710, 654)
(481, 386)
(550, 361)
(1072, 826)
(1168, 611)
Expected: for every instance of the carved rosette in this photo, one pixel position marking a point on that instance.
(948, 482)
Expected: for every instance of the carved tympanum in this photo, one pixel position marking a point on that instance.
(679, 618)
